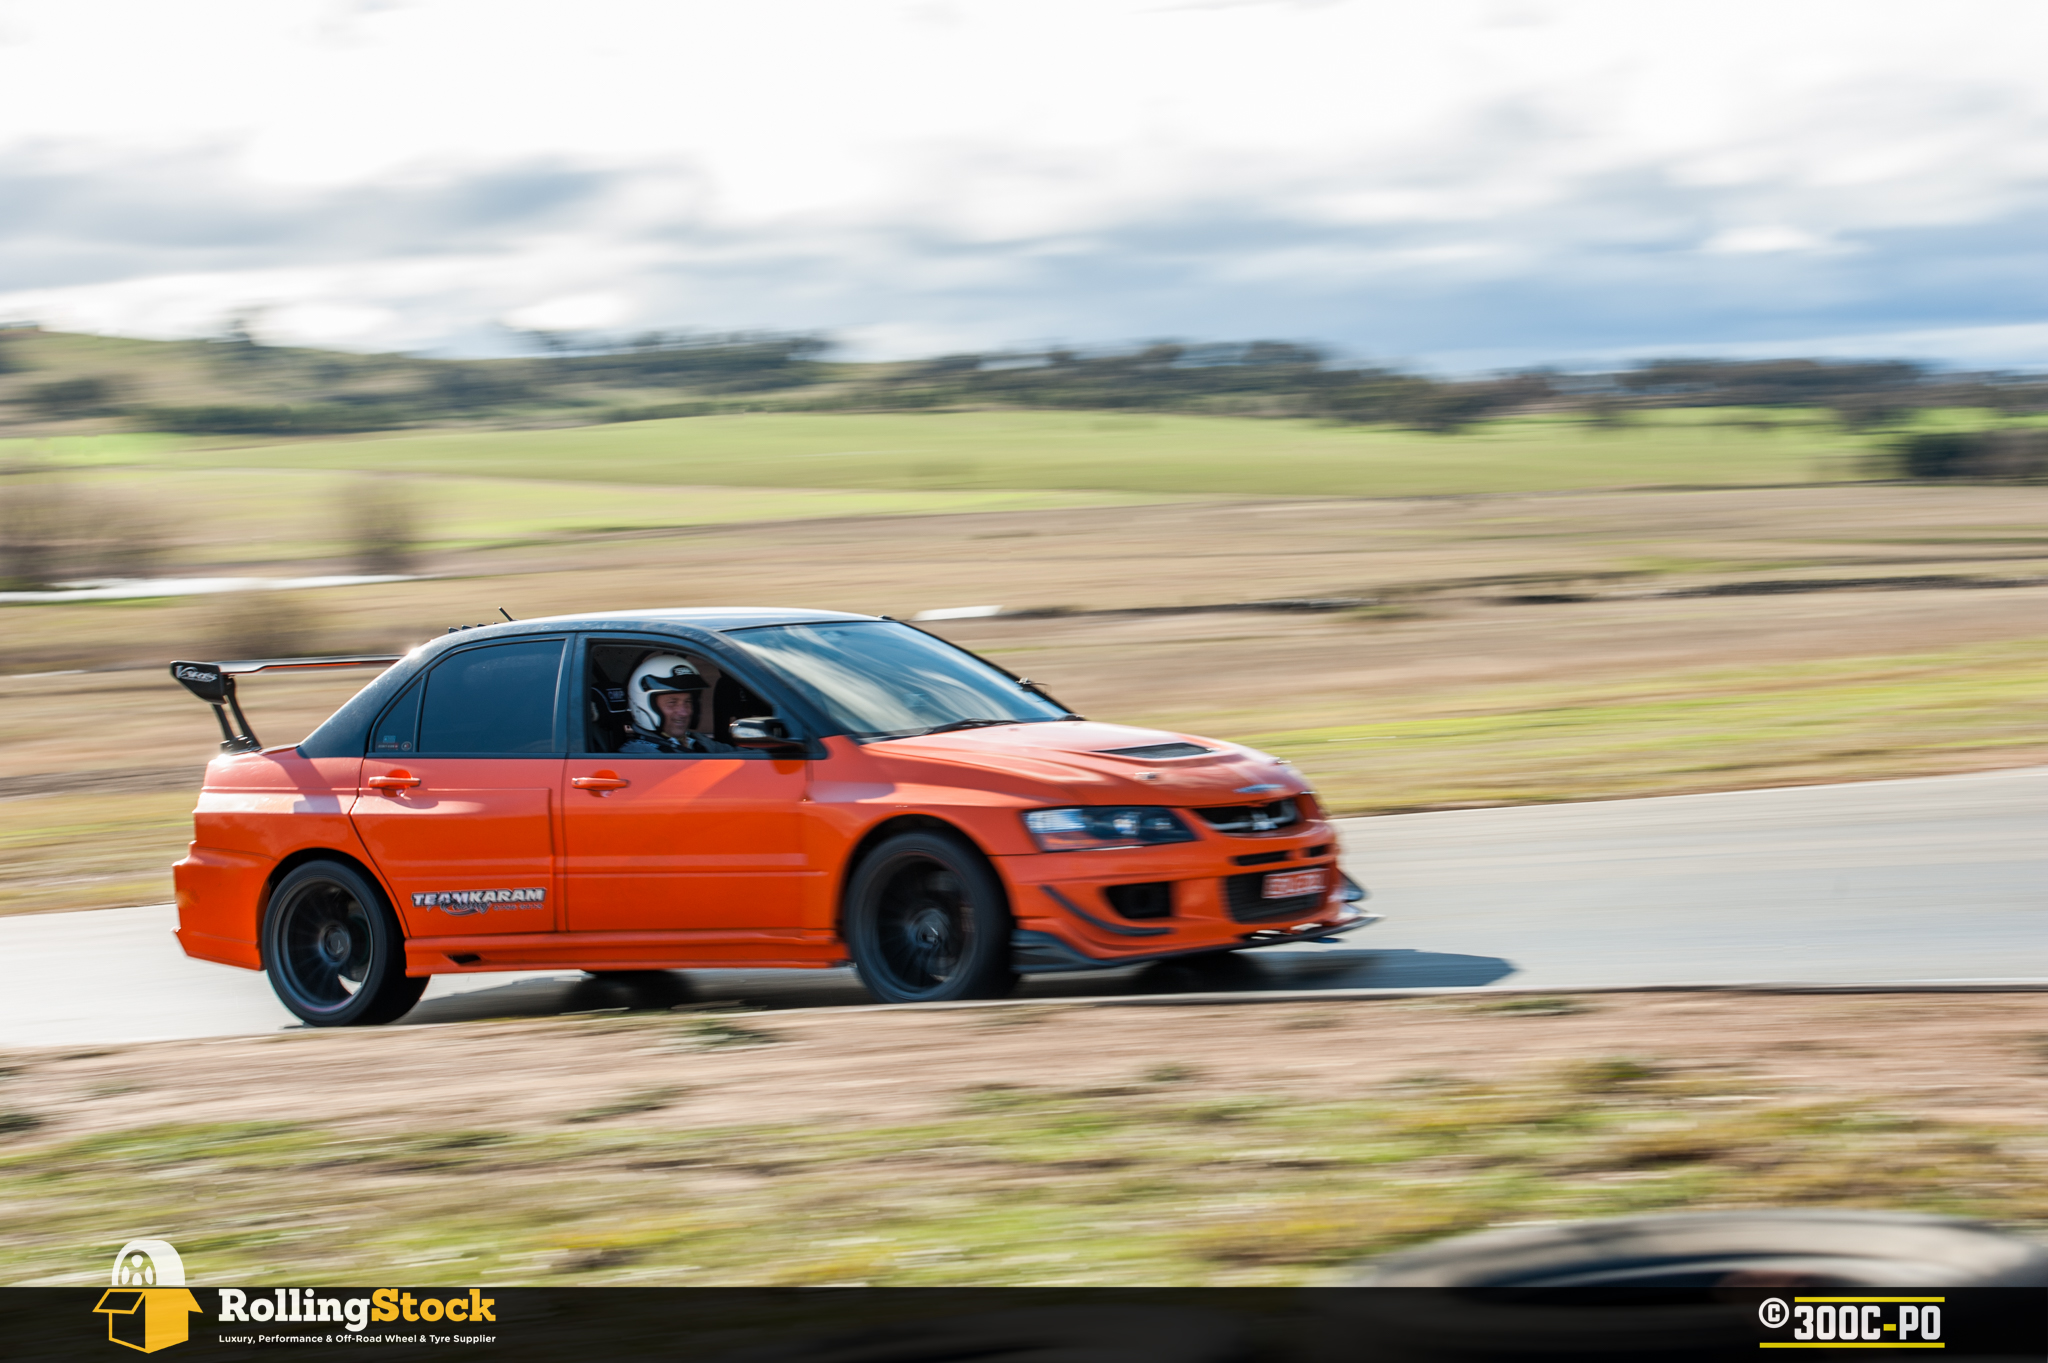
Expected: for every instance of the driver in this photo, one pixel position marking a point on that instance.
(666, 695)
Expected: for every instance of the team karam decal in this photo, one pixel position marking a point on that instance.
(459, 902)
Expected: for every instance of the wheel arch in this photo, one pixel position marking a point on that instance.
(911, 823)
(286, 865)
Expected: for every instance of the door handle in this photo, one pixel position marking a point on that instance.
(393, 783)
(600, 783)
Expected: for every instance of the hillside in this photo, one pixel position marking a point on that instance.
(235, 385)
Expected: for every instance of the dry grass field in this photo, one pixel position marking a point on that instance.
(1452, 686)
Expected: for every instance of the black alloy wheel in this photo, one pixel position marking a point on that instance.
(333, 949)
(926, 922)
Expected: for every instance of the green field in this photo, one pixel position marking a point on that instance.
(271, 515)
(1843, 719)
(981, 451)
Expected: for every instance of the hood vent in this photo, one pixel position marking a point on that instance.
(1153, 752)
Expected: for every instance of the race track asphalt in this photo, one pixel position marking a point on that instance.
(1942, 880)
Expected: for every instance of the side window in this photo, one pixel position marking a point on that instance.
(618, 718)
(607, 708)
(397, 729)
(495, 700)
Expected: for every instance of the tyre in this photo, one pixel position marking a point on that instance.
(333, 949)
(926, 921)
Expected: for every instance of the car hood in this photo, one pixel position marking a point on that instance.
(1092, 762)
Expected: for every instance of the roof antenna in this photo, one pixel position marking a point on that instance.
(501, 611)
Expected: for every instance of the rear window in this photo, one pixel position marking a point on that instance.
(498, 700)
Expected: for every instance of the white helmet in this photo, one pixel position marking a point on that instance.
(661, 672)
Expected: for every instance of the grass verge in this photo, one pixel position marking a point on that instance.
(1152, 1183)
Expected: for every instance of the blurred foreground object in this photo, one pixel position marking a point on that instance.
(1696, 1253)
(1670, 1286)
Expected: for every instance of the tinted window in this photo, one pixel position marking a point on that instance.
(497, 699)
(884, 680)
(398, 727)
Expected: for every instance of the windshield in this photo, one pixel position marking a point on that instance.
(879, 679)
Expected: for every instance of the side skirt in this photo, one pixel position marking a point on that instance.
(795, 948)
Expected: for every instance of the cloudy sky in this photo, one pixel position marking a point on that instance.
(1460, 184)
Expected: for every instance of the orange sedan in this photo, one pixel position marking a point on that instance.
(730, 788)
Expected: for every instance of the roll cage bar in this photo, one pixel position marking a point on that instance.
(214, 683)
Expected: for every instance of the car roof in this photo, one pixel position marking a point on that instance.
(343, 731)
(716, 618)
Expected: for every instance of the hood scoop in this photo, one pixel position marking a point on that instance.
(1153, 752)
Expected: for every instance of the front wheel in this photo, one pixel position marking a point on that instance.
(334, 951)
(926, 922)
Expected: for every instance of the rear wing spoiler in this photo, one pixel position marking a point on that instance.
(214, 683)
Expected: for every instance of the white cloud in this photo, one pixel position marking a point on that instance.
(893, 168)
(575, 312)
(325, 323)
(1751, 241)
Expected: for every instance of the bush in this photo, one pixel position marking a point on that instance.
(70, 399)
(320, 418)
(382, 522)
(34, 521)
(262, 624)
(660, 411)
(2004, 456)
(52, 531)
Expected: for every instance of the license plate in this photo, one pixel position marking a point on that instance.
(1290, 884)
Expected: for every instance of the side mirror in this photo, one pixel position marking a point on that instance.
(765, 732)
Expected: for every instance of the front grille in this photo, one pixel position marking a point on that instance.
(1241, 897)
(1157, 751)
(1153, 899)
(1248, 819)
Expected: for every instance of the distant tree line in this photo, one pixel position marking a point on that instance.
(567, 378)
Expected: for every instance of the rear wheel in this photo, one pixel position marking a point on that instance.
(334, 951)
(926, 922)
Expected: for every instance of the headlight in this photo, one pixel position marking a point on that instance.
(1096, 827)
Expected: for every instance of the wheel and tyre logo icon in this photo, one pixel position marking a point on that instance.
(1774, 1313)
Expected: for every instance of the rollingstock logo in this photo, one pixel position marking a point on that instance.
(299, 1306)
(460, 902)
(148, 1308)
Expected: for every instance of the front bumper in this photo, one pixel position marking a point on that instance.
(1041, 953)
(1067, 910)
